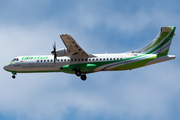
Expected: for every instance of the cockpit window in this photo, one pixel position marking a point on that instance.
(15, 59)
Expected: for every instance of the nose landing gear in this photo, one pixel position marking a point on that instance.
(13, 76)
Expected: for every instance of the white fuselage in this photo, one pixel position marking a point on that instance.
(45, 63)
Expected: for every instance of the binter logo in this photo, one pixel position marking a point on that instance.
(37, 57)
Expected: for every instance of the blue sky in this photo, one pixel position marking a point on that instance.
(99, 26)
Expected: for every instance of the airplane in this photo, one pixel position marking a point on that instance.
(74, 60)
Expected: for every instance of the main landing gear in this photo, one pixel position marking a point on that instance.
(78, 73)
(13, 76)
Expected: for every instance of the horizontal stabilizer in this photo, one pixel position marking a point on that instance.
(161, 59)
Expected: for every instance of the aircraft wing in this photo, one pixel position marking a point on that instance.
(72, 46)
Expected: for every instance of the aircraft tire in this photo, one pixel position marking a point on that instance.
(13, 76)
(78, 72)
(83, 77)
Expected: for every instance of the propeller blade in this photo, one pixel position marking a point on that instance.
(54, 52)
(54, 59)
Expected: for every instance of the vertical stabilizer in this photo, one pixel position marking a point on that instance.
(160, 45)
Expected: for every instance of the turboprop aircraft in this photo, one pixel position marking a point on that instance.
(74, 60)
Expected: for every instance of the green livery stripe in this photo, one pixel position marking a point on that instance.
(159, 39)
(159, 46)
(91, 65)
(165, 52)
(134, 65)
(66, 66)
(139, 58)
(130, 58)
(163, 43)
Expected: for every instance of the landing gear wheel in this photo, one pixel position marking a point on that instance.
(78, 72)
(83, 77)
(13, 76)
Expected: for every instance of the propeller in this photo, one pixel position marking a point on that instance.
(54, 52)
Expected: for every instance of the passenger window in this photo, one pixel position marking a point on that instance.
(100, 59)
(37, 60)
(41, 60)
(61, 60)
(107, 58)
(121, 58)
(93, 59)
(17, 59)
(114, 58)
(89, 59)
(65, 60)
(82, 59)
(117, 58)
(96, 59)
(85, 59)
(68, 59)
(71, 59)
(74, 59)
(47, 60)
(104, 59)
(79, 60)
(51, 60)
(58, 60)
(110, 58)
(44, 60)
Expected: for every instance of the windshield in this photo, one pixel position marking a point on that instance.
(15, 59)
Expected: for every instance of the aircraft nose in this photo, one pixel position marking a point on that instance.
(6, 67)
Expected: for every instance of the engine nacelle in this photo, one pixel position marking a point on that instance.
(63, 52)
